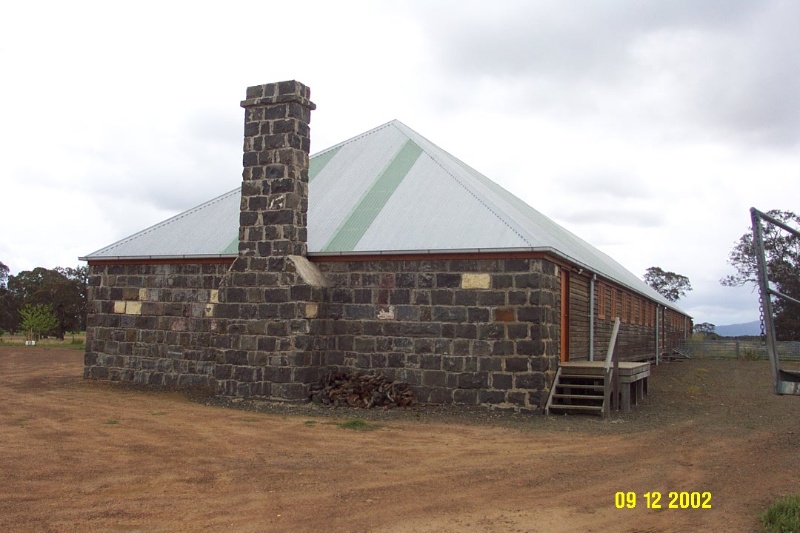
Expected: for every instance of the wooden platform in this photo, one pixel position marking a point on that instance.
(633, 378)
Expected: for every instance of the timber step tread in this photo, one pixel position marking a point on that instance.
(579, 386)
(578, 396)
(590, 408)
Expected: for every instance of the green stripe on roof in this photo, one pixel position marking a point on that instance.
(318, 162)
(370, 205)
(232, 248)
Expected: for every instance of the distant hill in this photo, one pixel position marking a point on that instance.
(738, 330)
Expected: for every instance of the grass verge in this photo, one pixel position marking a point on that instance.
(783, 516)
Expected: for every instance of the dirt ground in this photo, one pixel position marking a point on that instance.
(90, 456)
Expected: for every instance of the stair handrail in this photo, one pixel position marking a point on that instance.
(552, 392)
(611, 373)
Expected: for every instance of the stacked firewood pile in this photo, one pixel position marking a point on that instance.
(361, 390)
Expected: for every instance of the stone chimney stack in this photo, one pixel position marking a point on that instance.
(263, 325)
(272, 219)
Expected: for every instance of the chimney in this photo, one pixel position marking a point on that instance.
(272, 219)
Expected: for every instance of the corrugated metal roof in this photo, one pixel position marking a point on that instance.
(388, 190)
(210, 229)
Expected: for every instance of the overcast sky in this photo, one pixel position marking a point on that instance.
(648, 128)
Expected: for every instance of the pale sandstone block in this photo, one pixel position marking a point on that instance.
(475, 281)
(312, 310)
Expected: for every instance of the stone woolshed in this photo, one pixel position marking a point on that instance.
(383, 254)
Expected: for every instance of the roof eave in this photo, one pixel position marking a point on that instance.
(109, 258)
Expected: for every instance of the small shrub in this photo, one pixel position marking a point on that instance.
(749, 354)
(783, 516)
(358, 425)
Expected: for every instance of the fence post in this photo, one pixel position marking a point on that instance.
(737, 349)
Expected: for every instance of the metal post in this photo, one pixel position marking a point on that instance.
(591, 316)
(766, 298)
(658, 332)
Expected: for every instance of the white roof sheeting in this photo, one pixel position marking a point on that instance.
(386, 191)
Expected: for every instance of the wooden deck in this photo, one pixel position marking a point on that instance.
(633, 378)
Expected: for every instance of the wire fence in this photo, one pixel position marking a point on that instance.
(739, 349)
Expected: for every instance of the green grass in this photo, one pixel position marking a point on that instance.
(783, 516)
(358, 425)
(112, 422)
(73, 341)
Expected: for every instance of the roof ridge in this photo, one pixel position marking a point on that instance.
(354, 139)
(493, 209)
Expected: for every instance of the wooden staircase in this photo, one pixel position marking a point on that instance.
(577, 392)
(597, 387)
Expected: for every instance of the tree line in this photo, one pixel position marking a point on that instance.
(45, 301)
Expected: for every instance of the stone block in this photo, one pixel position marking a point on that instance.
(133, 308)
(492, 298)
(448, 280)
(278, 374)
(504, 314)
(491, 331)
(364, 344)
(517, 265)
(501, 381)
(311, 310)
(395, 360)
(517, 397)
(449, 314)
(430, 361)
(119, 307)
(424, 346)
(491, 396)
(481, 348)
(130, 293)
(516, 364)
(473, 380)
(535, 347)
(453, 364)
(470, 364)
(442, 297)
(476, 281)
(534, 381)
(290, 391)
(461, 347)
(385, 312)
(439, 395)
(467, 397)
(490, 364)
(433, 378)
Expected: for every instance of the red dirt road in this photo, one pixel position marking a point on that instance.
(88, 456)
